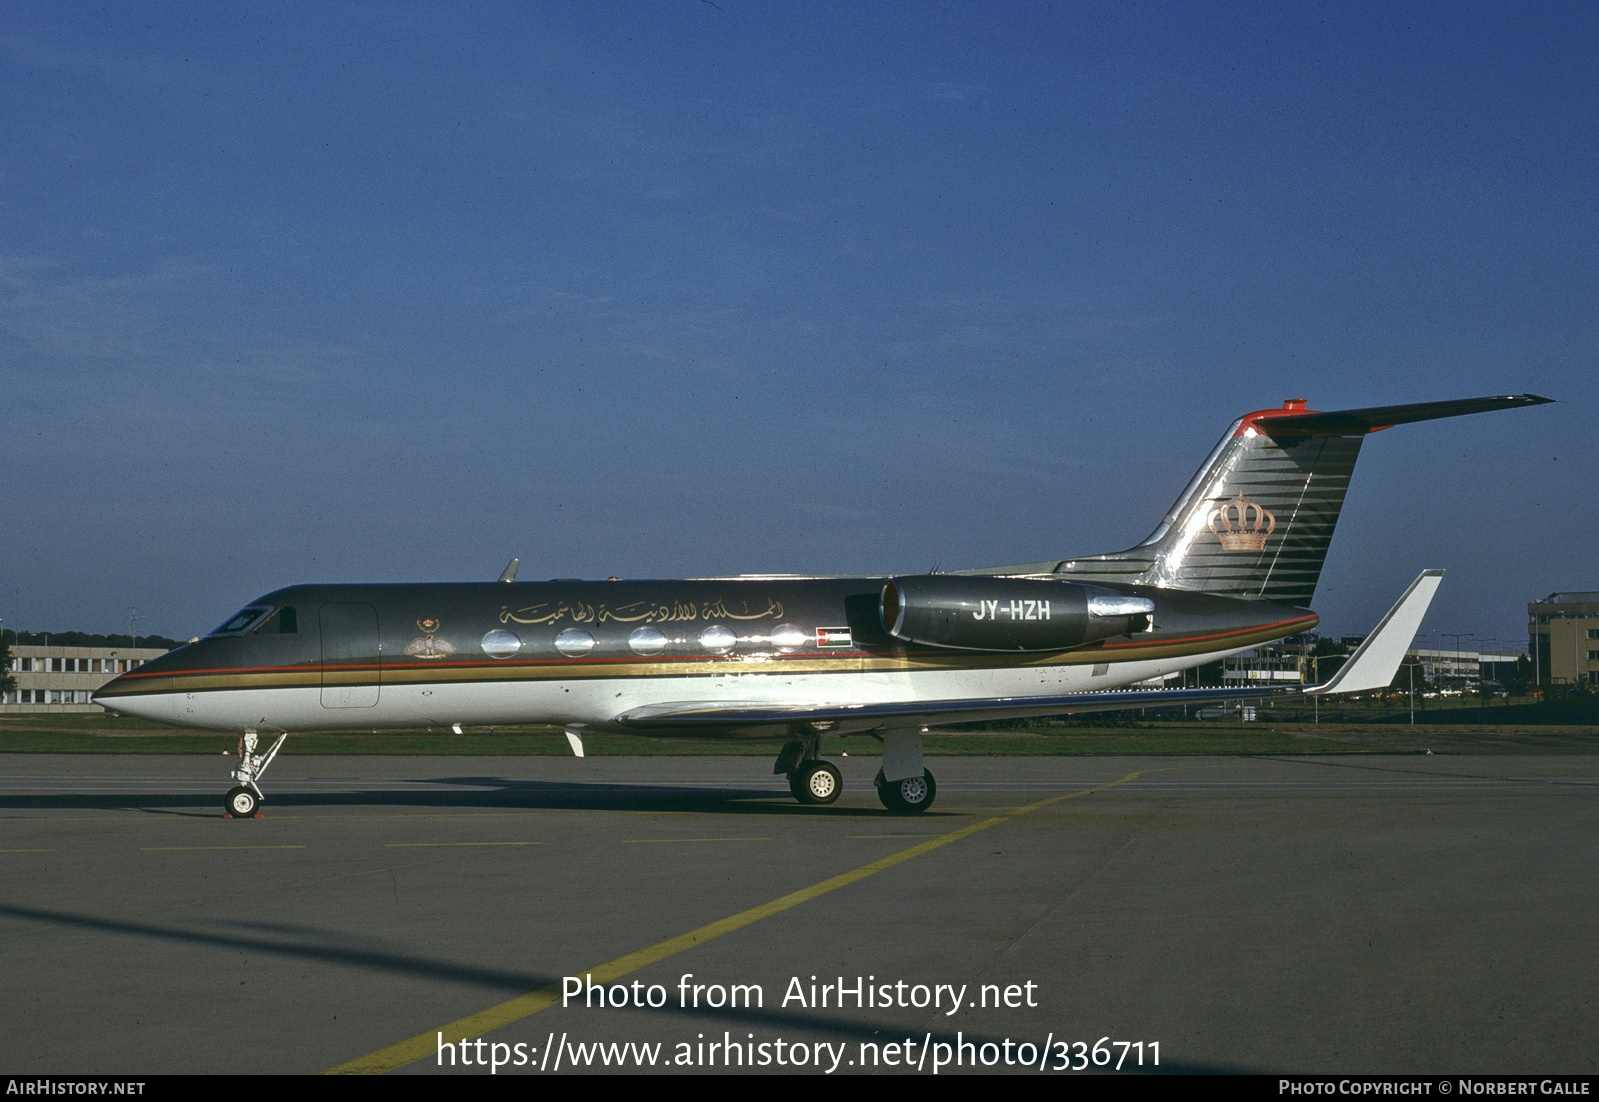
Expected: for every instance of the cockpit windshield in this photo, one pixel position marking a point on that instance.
(284, 621)
(241, 620)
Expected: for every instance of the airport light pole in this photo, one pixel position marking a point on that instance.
(1315, 679)
(1537, 659)
(1457, 636)
(1498, 650)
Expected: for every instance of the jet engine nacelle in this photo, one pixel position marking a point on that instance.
(1007, 614)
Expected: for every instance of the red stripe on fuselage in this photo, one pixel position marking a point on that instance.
(1215, 635)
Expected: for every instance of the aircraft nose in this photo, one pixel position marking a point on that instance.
(120, 695)
(143, 691)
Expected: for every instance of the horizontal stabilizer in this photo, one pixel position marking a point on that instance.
(1358, 422)
(1376, 661)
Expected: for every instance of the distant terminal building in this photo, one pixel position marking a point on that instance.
(1563, 635)
(1464, 665)
(1286, 660)
(60, 679)
(1293, 660)
(1265, 664)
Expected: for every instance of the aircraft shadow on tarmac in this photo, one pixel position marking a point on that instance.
(470, 792)
(307, 944)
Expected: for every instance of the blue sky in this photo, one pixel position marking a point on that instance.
(395, 292)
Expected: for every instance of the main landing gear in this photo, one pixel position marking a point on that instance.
(814, 781)
(243, 801)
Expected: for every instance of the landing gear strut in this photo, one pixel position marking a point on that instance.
(243, 801)
(812, 780)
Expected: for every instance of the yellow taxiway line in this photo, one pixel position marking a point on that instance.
(475, 1025)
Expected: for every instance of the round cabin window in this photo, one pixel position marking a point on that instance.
(500, 643)
(647, 641)
(718, 639)
(789, 637)
(574, 642)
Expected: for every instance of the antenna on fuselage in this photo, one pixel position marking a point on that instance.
(508, 575)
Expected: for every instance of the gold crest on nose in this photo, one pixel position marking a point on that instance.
(1242, 525)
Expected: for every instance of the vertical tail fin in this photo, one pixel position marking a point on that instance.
(1257, 519)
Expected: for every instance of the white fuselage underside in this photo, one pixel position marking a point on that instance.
(596, 702)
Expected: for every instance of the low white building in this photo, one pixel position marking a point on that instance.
(1287, 663)
(60, 679)
(1461, 665)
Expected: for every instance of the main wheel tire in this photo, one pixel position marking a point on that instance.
(819, 782)
(885, 792)
(796, 784)
(241, 803)
(911, 796)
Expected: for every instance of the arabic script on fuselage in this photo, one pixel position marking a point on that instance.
(642, 612)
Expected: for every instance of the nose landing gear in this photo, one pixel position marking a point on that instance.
(243, 801)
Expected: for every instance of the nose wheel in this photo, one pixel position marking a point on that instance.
(911, 796)
(243, 800)
(241, 803)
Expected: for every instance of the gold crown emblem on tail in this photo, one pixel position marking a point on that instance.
(1242, 525)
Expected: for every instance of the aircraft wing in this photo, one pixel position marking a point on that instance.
(728, 716)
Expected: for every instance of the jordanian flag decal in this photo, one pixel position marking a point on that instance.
(832, 637)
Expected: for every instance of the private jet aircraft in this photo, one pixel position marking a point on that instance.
(1233, 565)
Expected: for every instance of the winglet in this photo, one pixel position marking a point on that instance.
(1377, 660)
(508, 575)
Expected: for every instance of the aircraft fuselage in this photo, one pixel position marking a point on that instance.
(373, 657)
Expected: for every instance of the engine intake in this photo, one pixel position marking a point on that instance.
(1007, 614)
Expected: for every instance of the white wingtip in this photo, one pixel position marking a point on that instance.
(1377, 660)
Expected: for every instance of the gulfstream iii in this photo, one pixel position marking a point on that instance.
(1233, 565)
